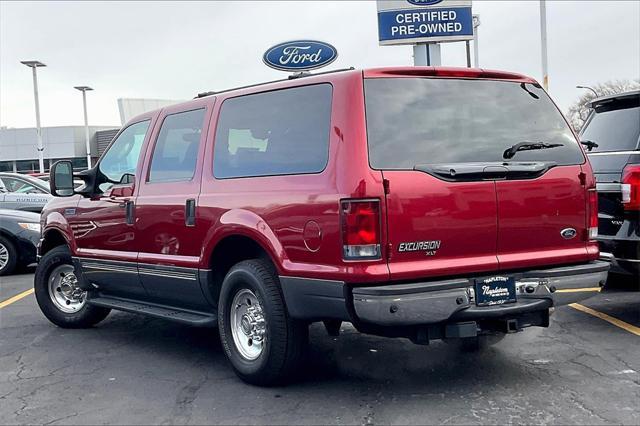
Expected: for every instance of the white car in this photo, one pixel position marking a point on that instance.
(22, 192)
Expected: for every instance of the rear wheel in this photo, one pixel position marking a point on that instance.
(262, 343)
(8, 256)
(58, 294)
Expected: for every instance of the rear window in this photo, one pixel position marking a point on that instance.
(412, 121)
(614, 125)
(274, 133)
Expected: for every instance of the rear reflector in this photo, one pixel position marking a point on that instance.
(592, 211)
(631, 185)
(360, 229)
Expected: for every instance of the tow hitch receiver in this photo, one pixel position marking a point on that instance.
(511, 326)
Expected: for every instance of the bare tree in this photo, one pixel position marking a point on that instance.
(578, 111)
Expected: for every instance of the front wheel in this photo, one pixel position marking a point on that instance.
(8, 256)
(261, 341)
(59, 296)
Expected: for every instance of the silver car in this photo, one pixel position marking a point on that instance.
(22, 192)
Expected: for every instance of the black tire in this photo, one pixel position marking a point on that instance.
(86, 316)
(12, 253)
(285, 338)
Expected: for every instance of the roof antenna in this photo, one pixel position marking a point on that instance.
(299, 75)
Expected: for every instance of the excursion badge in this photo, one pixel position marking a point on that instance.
(300, 55)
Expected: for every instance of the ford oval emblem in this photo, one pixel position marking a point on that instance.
(568, 233)
(300, 55)
(424, 2)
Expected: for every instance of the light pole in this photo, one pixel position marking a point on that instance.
(33, 65)
(588, 88)
(543, 39)
(84, 90)
(476, 24)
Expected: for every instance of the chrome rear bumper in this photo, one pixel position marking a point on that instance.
(438, 301)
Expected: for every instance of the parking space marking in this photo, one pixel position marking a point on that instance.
(618, 323)
(15, 298)
(578, 290)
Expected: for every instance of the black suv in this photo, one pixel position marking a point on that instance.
(612, 133)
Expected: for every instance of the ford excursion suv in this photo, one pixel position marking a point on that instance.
(425, 203)
(612, 135)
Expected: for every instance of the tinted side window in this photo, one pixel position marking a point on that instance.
(176, 150)
(122, 156)
(274, 133)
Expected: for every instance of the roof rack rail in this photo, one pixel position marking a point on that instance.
(291, 77)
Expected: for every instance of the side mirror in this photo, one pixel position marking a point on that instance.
(61, 179)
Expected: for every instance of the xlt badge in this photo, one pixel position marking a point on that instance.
(429, 247)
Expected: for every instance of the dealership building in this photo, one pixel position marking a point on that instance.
(18, 146)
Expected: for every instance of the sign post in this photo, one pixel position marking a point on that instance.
(424, 24)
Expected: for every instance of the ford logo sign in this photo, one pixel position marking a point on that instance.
(300, 55)
(424, 2)
(568, 233)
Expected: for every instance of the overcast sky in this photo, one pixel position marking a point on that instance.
(173, 50)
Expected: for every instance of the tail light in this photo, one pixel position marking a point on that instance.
(592, 211)
(360, 229)
(631, 186)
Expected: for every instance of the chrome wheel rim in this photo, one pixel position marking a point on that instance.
(64, 291)
(248, 324)
(4, 256)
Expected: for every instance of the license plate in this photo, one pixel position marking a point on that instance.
(495, 291)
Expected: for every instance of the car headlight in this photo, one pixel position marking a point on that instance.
(30, 226)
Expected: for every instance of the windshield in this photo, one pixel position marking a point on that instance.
(413, 121)
(614, 126)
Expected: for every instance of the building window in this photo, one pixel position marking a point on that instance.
(28, 166)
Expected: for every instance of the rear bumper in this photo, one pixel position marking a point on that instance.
(438, 302)
(623, 254)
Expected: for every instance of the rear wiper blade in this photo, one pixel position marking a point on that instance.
(528, 146)
(589, 144)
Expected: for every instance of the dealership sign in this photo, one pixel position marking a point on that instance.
(424, 21)
(300, 55)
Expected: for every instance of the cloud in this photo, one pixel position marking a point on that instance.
(173, 50)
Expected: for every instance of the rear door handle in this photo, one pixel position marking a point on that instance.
(129, 212)
(190, 212)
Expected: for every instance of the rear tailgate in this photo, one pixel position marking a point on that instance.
(455, 205)
(536, 218)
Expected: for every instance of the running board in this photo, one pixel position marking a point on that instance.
(198, 319)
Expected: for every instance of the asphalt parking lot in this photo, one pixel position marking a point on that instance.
(585, 368)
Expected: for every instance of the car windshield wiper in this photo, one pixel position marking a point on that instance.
(528, 146)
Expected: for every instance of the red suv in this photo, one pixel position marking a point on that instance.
(426, 203)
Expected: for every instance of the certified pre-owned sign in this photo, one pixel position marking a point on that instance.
(300, 55)
(424, 21)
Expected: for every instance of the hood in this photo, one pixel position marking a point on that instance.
(19, 215)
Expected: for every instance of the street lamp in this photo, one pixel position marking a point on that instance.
(543, 42)
(476, 24)
(33, 65)
(588, 88)
(84, 90)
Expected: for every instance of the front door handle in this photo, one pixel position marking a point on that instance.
(190, 212)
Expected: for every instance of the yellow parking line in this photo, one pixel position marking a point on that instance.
(15, 298)
(618, 323)
(578, 290)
